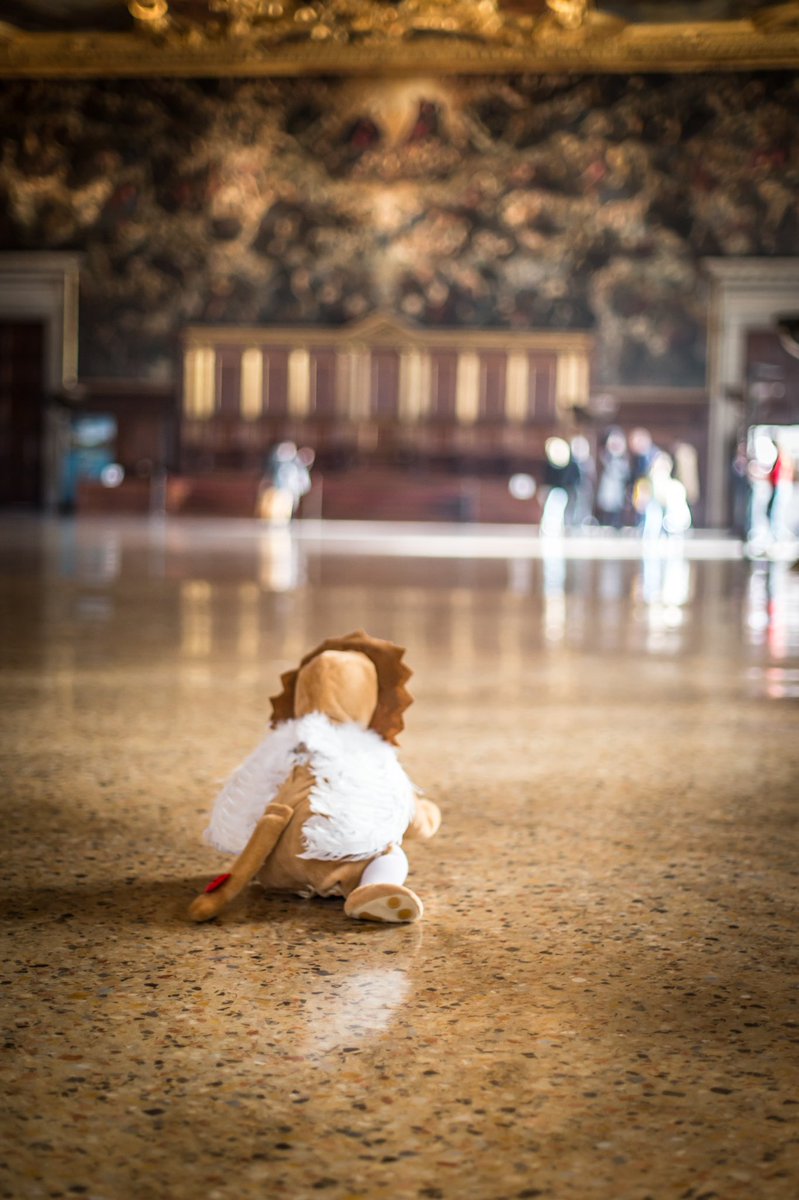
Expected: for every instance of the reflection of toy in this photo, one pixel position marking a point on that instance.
(322, 805)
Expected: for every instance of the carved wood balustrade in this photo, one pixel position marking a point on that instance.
(376, 391)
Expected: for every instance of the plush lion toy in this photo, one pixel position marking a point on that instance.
(322, 805)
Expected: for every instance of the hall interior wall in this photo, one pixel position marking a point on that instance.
(546, 203)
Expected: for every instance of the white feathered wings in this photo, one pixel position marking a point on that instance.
(362, 800)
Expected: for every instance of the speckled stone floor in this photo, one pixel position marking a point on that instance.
(602, 999)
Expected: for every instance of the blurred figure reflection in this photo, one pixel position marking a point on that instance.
(280, 564)
(666, 582)
(553, 561)
(772, 609)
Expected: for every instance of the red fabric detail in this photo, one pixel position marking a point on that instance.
(218, 882)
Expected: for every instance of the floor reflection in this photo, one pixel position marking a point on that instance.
(348, 1011)
(773, 608)
(242, 589)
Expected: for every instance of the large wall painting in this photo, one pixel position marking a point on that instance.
(544, 202)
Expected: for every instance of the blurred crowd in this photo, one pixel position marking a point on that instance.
(632, 483)
(763, 493)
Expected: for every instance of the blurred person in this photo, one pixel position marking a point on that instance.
(650, 496)
(580, 510)
(677, 517)
(307, 457)
(666, 509)
(287, 478)
(762, 461)
(560, 477)
(643, 453)
(686, 471)
(741, 492)
(611, 494)
(780, 479)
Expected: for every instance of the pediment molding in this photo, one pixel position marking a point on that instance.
(384, 329)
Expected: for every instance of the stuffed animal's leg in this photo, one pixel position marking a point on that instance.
(262, 842)
(391, 867)
(426, 819)
(380, 896)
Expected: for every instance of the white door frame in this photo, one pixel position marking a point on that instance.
(745, 293)
(43, 286)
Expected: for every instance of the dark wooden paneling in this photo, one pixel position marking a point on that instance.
(444, 384)
(323, 382)
(21, 412)
(385, 383)
(147, 423)
(493, 370)
(276, 381)
(772, 380)
(543, 386)
(228, 380)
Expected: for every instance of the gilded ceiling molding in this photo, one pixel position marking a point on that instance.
(363, 37)
(364, 22)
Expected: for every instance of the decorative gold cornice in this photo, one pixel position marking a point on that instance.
(365, 22)
(384, 329)
(371, 37)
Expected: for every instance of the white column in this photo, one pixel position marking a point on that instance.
(517, 385)
(299, 382)
(343, 383)
(360, 384)
(252, 383)
(414, 384)
(425, 383)
(199, 391)
(571, 379)
(467, 387)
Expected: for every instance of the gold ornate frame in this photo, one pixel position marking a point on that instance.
(370, 37)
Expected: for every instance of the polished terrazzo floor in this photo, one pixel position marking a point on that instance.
(602, 999)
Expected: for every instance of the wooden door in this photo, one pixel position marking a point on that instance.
(21, 412)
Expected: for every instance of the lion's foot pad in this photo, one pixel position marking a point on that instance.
(386, 902)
